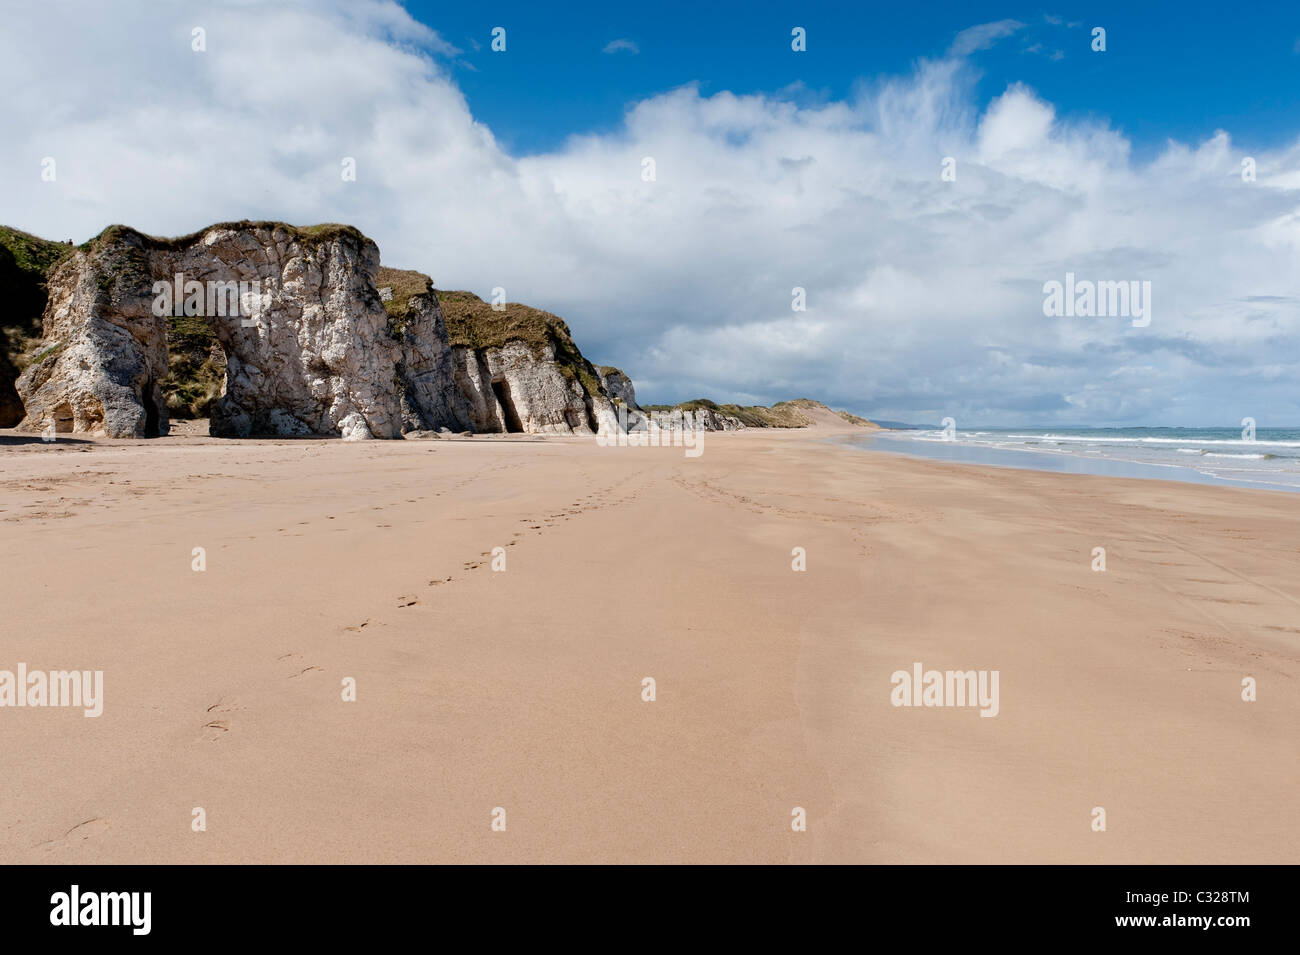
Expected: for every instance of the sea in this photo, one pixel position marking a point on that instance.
(1269, 459)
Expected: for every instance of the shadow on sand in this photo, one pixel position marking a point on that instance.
(11, 440)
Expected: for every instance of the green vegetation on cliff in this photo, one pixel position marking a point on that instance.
(25, 260)
(783, 414)
(473, 323)
(404, 284)
(196, 367)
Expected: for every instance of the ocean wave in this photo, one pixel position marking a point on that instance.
(1120, 439)
(1120, 447)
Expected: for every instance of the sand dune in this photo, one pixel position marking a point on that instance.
(478, 689)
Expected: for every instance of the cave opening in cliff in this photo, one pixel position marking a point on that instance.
(502, 390)
(64, 420)
(150, 411)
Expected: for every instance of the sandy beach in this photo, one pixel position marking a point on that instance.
(521, 689)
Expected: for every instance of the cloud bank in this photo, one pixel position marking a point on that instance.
(924, 295)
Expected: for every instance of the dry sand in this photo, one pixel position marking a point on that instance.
(523, 689)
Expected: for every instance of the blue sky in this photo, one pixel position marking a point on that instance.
(775, 171)
(1171, 70)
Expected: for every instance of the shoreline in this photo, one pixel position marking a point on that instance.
(1050, 462)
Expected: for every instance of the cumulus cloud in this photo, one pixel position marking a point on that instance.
(924, 295)
(621, 44)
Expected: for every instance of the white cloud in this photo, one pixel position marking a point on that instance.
(621, 44)
(924, 296)
(983, 36)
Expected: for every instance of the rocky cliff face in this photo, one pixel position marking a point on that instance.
(103, 351)
(517, 369)
(618, 386)
(711, 420)
(699, 415)
(276, 330)
(428, 396)
(307, 345)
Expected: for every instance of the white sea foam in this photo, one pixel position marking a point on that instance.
(1272, 460)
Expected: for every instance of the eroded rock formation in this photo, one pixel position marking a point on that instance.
(517, 369)
(275, 330)
(307, 343)
(271, 329)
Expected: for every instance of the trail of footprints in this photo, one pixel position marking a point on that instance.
(219, 717)
(218, 720)
(596, 500)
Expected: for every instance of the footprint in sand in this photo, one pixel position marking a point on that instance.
(295, 660)
(218, 724)
(359, 627)
(213, 730)
(79, 833)
(409, 600)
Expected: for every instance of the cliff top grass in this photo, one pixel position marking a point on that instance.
(307, 235)
(32, 253)
(473, 323)
(406, 284)
(25, 260)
